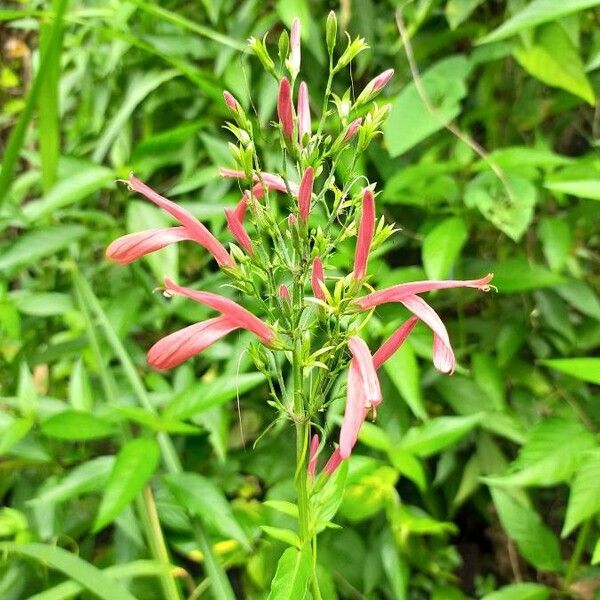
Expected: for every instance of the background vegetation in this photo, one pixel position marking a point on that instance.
(485, 484)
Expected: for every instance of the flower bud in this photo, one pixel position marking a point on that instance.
(353, 49)
(331, 32)
(231, 102)
(284, 108)
(352, 129)
(260, 49)
(304, 122)
(284, 293)
(283, 46)
(294, 60)
(374, 87)
(305, 194)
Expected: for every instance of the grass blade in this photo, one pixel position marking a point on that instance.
(17, 135)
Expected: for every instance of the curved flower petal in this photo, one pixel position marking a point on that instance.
(284, 108)
(237, 230)
(135, 245)
(317, 277)
(394, 342)
(304, 122)
(177, 347)
(366, 368)
(273, 182)
(443, 355)
(355, 412)
(366, 229)
(197, 231)
(396, 293)
(234, 312)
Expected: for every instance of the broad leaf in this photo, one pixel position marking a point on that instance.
(292, 576)
(586, 368)
(584, 499)
(442, 246)
(76, 425)
(520, 591)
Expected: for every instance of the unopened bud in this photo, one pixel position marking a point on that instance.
(331, 32)
(260, 49)
(294, 61)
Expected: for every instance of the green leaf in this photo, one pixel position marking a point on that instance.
(204, 396)
(403, 369)
(84, 573)
(140, 86)
(135, 464)
(437, 434)
(556, 238)
(326, 502)
(43, 304)
(287, 536)
(584, 499)
(80, 392)
(76, 425)
(137, 568)
(458, 11)
(15, 431)
(520, 591)
(582, 188)
(586, 369)
(536, 543)
(292, 576)
(581, 296)
(553, 59)
(409, 121)
(534, 13)
(512, 213)
(395, 566)
(550, 455)
(409, 466)
(87, 477)
(33, 245)
(83, 182)
(287, 508)
(442, 246)
(596, 553)
(202, 498)
(489, 378)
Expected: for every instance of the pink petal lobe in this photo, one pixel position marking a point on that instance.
(135, 245)
(387, 349)
(396, 293)
(177, 347)
(317, 277)
(197, 231)
(234, 312)
(363, 360)
(333, 463)
(355, 412)
(236, 228)
(305, 194)
(443, 355)
(366, 229)
(273, 182)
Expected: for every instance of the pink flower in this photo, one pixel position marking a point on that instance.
(305, 194)
(177, 347)
(284, 293)
(381, 80)
(234, 312)
(366, 229)
(236, 228)
(284, 108)
(405, 293)
(135, 245)
(231, 102)
(317, 278)
(304, 122)
(333, 463)
(389, 347)
(363, 393)
(273, 182)
(295, 46)
(352, 129)
(194, 230)
(313, 456)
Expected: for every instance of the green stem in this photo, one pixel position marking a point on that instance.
(580, 543)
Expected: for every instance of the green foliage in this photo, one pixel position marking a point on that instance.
(499, 460)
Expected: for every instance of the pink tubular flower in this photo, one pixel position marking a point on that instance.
(236, 228)
(394, 342)
(135, 245)
(312, 459)
(284, 108)
(273, 182)
(381, 80)
(366, 229)
(295, 45)
(396, 292)
(304, 122)
(231, 102)
(317, 277)
(352, 129)
(234, 312)
(177, 347)
(195, 230)
(333, 463)
(305, 194)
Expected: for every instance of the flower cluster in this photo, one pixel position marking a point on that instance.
(286, 230)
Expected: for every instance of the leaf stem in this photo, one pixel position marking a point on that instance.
(580, 543)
